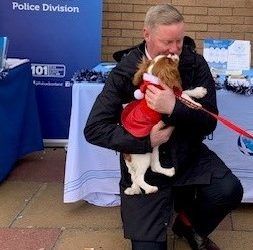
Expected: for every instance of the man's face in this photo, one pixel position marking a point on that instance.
(165, 39)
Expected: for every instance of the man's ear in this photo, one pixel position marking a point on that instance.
(146, 34)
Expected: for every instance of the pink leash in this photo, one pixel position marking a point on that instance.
(226, 122)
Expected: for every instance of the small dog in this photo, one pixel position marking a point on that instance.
(138, 119)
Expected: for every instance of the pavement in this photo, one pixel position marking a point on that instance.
(34, 217)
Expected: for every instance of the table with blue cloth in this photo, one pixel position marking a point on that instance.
(20, 131)
(92, 173)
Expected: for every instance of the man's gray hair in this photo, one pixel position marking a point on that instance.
(162, 14)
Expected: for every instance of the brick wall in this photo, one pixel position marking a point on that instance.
(123, 21)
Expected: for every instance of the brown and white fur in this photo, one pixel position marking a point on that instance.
(165, 68)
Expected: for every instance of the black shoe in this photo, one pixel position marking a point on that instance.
(195, 241)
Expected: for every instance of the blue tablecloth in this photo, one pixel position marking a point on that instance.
(20, 131)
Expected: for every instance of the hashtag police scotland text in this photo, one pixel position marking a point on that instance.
(44, 7)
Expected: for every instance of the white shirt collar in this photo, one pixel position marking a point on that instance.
(147, 54)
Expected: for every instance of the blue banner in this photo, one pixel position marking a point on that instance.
(60, 37)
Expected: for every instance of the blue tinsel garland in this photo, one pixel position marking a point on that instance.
(86, 75)
(3, 73)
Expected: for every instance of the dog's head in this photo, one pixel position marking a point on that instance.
(163, 67)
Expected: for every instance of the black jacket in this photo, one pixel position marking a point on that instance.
(185, 150)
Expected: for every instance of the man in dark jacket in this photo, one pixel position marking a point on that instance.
(203, 190)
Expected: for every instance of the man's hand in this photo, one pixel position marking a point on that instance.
(160, 134)
(160, 100)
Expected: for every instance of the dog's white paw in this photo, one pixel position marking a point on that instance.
(132, 191)
(169, 172)
(200, 92)
(151, 189)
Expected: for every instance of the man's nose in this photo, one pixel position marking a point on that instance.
(174, 48)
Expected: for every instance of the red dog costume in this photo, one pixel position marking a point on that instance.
(137, 118)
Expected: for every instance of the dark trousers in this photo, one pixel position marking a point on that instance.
(205, 205)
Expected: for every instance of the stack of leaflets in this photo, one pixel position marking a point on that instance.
(3, 51)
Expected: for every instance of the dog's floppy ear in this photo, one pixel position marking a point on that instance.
(142, 68)
(166, 69)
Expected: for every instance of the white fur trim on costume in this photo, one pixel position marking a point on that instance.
(151, 78)
(138, 94)
(146, 77)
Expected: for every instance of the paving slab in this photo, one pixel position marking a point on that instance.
(47, 209)
(226, 224)
(233, 240)
(92, 240)
(41, 166)
(243, 218)
(28, 239)
(106, 239)
(14, 198)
